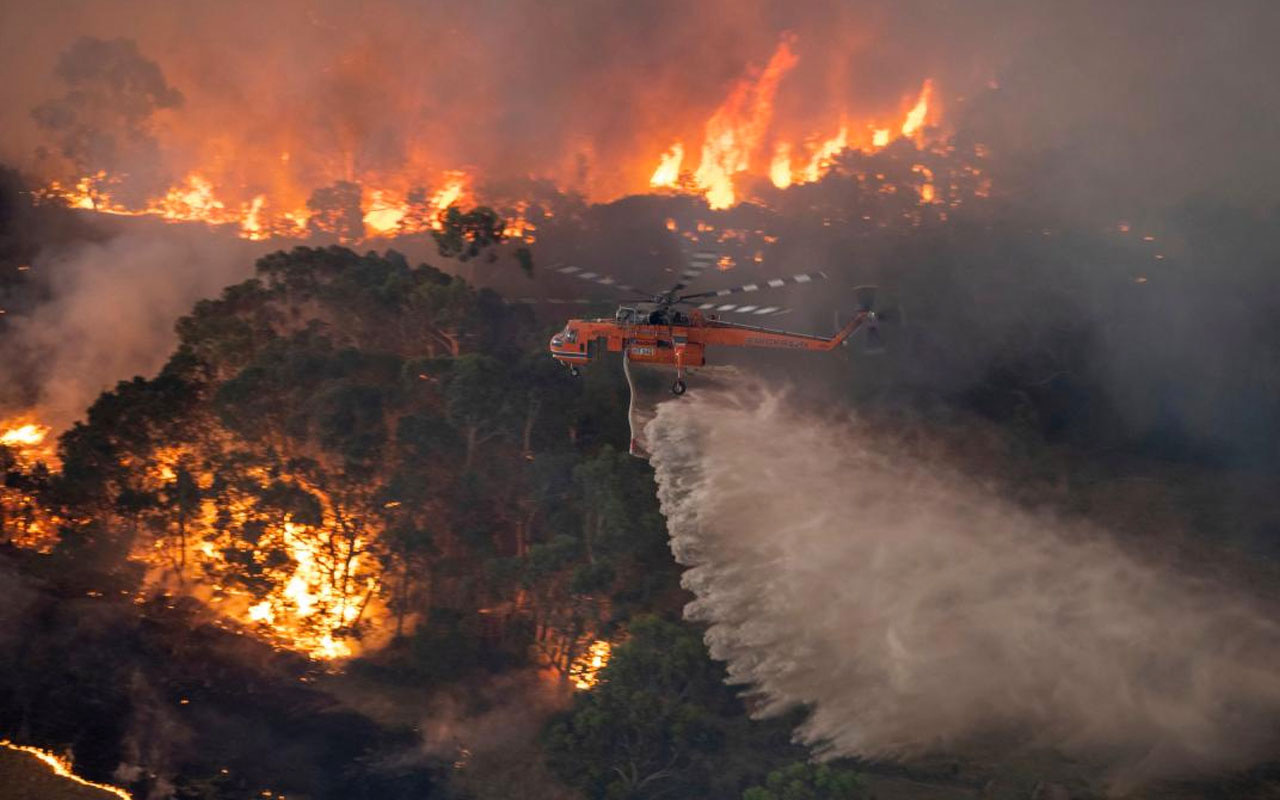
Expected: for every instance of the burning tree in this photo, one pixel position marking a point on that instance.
(340, 449)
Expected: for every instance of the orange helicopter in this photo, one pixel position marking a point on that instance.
(657, 332)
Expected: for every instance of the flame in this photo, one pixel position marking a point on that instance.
(26, 435)
(269, 185)
(584, 673)
(668, 171)
(454, 190)
(780, 169)
(735, 129)
(385, 211)
(927, 192)
(24, 520)
(62, 768)
(825, 154)
(385, 214)
(916, 117)
(251, 225)
(314, 599)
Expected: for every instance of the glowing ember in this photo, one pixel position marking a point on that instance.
(585, 670)
(62, 768)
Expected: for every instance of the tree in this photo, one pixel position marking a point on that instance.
(662, 723)
(336, 210)
(477, 401)
(466, 235)
(803, 781)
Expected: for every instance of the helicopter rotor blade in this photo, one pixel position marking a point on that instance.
(733, 308)
(698, 263)
(771, 283)
(557, 301)
(598, 278)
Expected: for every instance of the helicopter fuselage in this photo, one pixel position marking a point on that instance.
(678, 340)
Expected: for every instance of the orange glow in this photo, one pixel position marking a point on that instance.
(736, 128)
(825, 154)
(315, 599)
(584, 673)
(919, 113)
(24, 520)
(264, 185)
(30, 434)
(780, 169)
(455, 191)
(927, 191)
(384, 214)
(385, 211)
(668, 171)
(62, 768)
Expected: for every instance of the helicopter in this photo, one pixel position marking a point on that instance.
(675, 329)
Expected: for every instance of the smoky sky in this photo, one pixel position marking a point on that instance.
(1148, 98)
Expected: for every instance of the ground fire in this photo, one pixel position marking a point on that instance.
(63, 768)
(264, 194)
(331, 333)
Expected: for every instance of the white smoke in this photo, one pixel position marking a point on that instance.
(113, 307)
(916, 611)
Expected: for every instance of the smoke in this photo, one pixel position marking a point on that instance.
(915, 611)
(102, 121)
(112, 309)
(1152, 97)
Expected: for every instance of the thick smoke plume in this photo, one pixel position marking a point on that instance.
(915, 611)
(112, 312)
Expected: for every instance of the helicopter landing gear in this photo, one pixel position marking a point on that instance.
(678, 388)
(574, 371)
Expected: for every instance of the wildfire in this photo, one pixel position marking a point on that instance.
(780, 169)
(62, 768)
(315, 585)
(384, 211)
(914, 123)
(283, 186)
(26, 435)
(585, 670)
(668, 171)
(736, 131)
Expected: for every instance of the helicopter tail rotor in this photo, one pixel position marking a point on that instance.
(882, 318)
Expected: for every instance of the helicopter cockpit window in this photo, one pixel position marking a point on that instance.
(570, 335)
(625, 314)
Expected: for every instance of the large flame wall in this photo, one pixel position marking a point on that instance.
(254, 110)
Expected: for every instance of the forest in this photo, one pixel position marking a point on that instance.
(360, 537)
